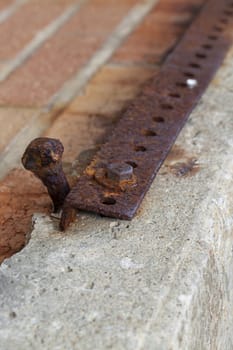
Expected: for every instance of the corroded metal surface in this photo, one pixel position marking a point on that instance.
(43, 158)
(151, 124)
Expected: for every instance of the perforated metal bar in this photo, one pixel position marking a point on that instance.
(151, 124)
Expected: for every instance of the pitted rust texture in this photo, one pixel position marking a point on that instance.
(151, 124)
(116, 176)
(43, 158)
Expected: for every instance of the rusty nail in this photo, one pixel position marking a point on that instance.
(43, 158)
(119, 172)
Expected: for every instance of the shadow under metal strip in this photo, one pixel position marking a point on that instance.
(151, 124)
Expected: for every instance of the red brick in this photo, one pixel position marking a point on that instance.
(21, 27)
(87, 120)
(11, 121)
(21, 195)
(110, 90)
(4, 4)
(79, 132)
(41, 76)
(158, 33)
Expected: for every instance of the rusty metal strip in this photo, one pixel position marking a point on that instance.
(151, 124)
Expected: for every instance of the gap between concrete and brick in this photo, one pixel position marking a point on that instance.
(10, 10)
(41, 37)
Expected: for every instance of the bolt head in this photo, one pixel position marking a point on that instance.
(119, 172)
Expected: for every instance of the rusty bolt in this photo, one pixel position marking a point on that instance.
(118, 172)
(43, 157)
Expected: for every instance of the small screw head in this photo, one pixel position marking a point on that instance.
(119, 172)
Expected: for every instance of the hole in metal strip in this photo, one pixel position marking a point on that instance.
(181, 84)
(159, 119)
(189, 75)
(140, 149)
(223, 20)
(149, 133)
(109, 201)
(218, 29)
(207, 46)
(167, 106)
(174, 95)
(195, 65)
(228, 13)
(201, 55)
(213, 37)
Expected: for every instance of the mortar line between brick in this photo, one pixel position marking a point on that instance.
(10, 10)
(41, 37)
(40, 121)
(11, 155)
(134, 65)
(73, 87)
(18, 107)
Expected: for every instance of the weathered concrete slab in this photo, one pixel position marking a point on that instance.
(163, 281)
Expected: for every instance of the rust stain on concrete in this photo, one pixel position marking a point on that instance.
(180, 163)
(21, 195)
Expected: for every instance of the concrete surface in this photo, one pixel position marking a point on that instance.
(161, 282)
